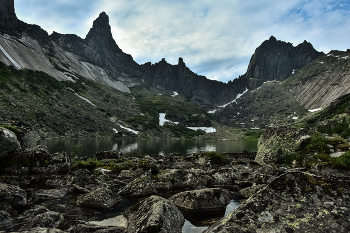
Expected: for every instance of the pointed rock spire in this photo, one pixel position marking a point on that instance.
(100, 35)
(8, 16)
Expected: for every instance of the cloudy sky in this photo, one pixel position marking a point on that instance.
(215, 38)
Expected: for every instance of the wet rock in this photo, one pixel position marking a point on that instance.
(280, 141)
(5, 220)
(154, 214)
(293, 202)
(51, 193)
(176, 177)
(13, 195)
(59, 181)
(8, 142)
(100, 198)
(140, 187)
(250, 191)
(37, 160)
(209, 200)
(129, 175)
(83, 177)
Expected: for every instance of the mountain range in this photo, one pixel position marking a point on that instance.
(64, 85)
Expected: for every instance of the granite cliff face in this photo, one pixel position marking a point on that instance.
(8, 16)
(276, 60)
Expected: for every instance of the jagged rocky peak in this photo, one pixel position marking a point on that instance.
(276, 60)
(8, 16)
(100, 35)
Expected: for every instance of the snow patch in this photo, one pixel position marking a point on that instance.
(329, 55)
(162, 119)
(174, 94)
(315, 110)
(86, 100)
(212, 111)
(293, 71)
(255, 128)
(235, 100)
(115, 131)
(7, 133)
(295, 118)
(128, 129)
(206, 129)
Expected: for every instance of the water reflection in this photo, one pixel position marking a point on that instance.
(91, 146)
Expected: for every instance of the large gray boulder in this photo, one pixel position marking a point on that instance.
(100, 198)
(8, 142)
(293, 202)
(209, 200)
(140, 187)
(13, 195)
(5, 220)
(278, 142)
(154, 214)
(37, 160)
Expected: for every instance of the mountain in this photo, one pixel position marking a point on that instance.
(281, 82)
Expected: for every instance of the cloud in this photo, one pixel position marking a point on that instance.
(215, 38)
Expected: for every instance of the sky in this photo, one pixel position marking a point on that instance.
(215, 38)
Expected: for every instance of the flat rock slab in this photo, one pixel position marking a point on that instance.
(51, 193)
(211, 199)
(119, 221)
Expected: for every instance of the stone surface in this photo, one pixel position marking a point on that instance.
(37, 160)
(13, 195)
(154, 214)
(293, 202)
(250, 191)
(278, 142)
(100, 198)
(140, 187)
(213, 199)
(5, 220)
(52, 193)
(8, 142)
(8, 16)
(49, 219)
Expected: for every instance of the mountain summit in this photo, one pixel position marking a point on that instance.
(100, 36)
(8, 16)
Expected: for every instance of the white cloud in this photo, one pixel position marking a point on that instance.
(216, 39)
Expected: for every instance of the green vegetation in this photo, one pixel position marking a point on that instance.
(338, 127)
(215, 157)
(146, 122)
(253, 134)
(10, 127)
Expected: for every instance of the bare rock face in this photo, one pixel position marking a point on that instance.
(212, 199)
(8, 16)
(100, 198)
(8, 142)
(293, 202)
(154, 214)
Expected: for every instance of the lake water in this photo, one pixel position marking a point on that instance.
(91, 146)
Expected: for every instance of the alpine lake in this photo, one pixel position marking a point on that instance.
(152, 147)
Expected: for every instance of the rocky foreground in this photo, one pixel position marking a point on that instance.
(43, 192)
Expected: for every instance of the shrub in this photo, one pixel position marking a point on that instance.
(342, 162)
(215, 157)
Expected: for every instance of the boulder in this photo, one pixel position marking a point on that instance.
(5, 220)
(250, 191)
(8, 142)
(49, 219)
(86, 227)
(208, 200)
(100, 198)
(197, 179)
(42, 230)
(13, 195)
(140, 187)
(293, 202)
(278, 142)
(37, 160)
(154, 214)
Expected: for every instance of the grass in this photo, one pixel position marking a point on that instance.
(183, 132)
(253, 134)
(10, 127)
